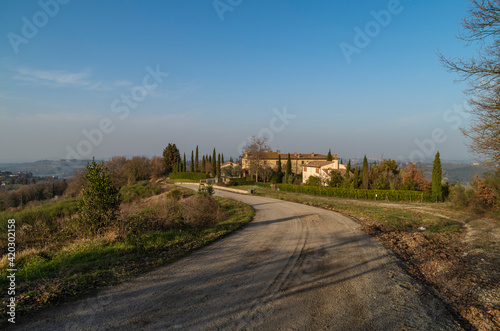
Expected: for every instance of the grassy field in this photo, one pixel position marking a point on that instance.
(67, 267)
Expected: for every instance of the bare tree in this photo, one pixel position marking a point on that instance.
(156, 167)
(254, 151)
(137, 169)
(482, 29)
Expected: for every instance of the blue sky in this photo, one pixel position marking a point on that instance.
(274, 68)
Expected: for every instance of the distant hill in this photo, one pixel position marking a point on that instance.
(60, 168)
(453, 172)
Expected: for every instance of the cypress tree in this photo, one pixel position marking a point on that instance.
(355, 180)
(280, 171)
(365, 174)
(348, 169)
(218, 165)
(329, 156)
(341, 161)
(437, 189)
(196, 161)
(214, 163)
(288, 170)
(203, 164)
(231, 159)
(184, 163)
(191, 166)
(222, 161)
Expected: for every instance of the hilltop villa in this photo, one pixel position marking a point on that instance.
(270, 159)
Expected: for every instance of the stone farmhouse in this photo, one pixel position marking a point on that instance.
(270, 159)
(322, 170)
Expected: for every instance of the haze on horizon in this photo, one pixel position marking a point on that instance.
(87, 78)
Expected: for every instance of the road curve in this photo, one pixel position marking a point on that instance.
(293, 267)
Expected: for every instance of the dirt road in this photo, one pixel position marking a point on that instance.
(293, 267)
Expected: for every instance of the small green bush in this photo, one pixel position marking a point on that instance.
(188, 175)
(206, 190)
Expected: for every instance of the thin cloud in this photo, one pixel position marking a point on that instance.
(59, 78)
(54, 78)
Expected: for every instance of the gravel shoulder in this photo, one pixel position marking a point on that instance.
(293, 267)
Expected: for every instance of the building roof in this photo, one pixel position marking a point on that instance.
(271, 155)
(318, 164)
(228, 164)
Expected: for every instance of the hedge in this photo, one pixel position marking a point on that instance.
(241, 181)
(388, 195)
(188, 175)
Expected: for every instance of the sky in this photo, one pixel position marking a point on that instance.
(83, 79)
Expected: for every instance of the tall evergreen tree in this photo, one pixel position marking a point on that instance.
(191, 165)
(231, 159)
(288, 170)
(222, 159)
(203, 164)
(329, 157)
(348, 169)
(214, 164)
(437, 189)
(279, 170)
(218, 166)
(196, 161)
(341, 161)
(171, 156)
(184, 163)
(365, 174)
(355, 180)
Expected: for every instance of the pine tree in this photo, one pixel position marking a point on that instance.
(196, 161)
(214, 163)
(288, 170)
(100, 204)
(218, 165)
(329, 157)
(191, 165)
(437, 189)
(171, 156)
(365, 174)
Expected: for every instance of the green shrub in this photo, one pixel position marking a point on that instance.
(241, 182)
(206, 190)
(188, 175)
(139, 190)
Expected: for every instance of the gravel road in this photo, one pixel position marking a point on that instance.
(294, 267)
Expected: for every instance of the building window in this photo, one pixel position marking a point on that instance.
(305, 168)
(302, 162)
(317, 170)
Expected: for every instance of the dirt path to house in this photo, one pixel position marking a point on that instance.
(293, 267)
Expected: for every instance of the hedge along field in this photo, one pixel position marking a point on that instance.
(388, 195)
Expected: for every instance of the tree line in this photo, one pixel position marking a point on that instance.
(209, 163)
